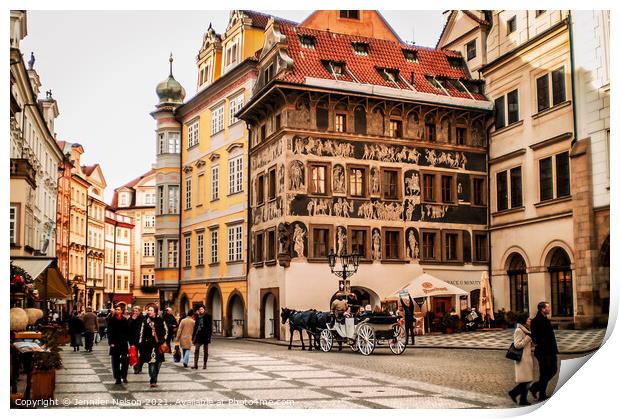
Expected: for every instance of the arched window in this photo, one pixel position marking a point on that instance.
(561, 283)
(360, 120)
(517, 275)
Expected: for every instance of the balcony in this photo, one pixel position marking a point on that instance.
(22, 169)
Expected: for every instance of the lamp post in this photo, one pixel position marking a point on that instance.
(348, 263)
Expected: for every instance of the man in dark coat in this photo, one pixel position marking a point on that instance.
(118, 339)
(202, 336)
(171, 322)
(408, 309)
(90, 328)
(135, 323)
(546, 350)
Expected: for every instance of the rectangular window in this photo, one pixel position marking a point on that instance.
(188, 251)
(500, 121)
(396, 128)
(118, 257)
(235, 242)
(148, 248)
(350, 14)
(513, 106)
(13, 224)
(392, 244)
(428, 181)
(358, 242)
(461, 135)
(502, 191)
(272, 183)
(173, 199)
(558, 86)
(173, 253)
(357, 182)
(200, 249)
(235, 175)
(430, 132)
(480, 247)
(149, 221)
(448, 191)
(259, 252)
(562, 173)
(478, 191)
(174, 142)
(471, 50)
(307, 41)
(214, 250)
(278, 122)
(511, 25)
(260, 190)
(429, 245)
(271, 245)
(320, 242)
(215, 183)
(188, 193)
(390, 184)
(318, 179)
(451, 247)
(546, 178)
(341, 123)
(516, 195)
(217, 120)
(192, 134)
(199, 189)
(542, 92)
(235, 106)
(160, 254)
(160, 199)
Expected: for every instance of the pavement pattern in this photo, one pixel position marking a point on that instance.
(244, 374)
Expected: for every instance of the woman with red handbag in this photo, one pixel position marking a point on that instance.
(135, 324)
(152, 343)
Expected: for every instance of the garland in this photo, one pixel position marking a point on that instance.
(19, 275)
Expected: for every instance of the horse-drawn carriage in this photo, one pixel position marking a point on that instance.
(361, 334)
(365, 334)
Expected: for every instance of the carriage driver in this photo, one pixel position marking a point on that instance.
(339, 306)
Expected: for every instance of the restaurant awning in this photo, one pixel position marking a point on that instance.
(56, 285)
(427, 285)
(34, 266)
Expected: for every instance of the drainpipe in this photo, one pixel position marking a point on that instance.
(572, 75)
(490, 247)
(248, 241)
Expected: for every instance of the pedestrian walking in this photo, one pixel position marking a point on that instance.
(135, 324)
(524, 369)
(171, 322)
(185, 334)
(76, 328)
(153, 336)
(201, 336)
(118, 339)
(90, 327)
(545, 351)
(408, 309)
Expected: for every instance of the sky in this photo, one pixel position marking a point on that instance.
(103, 67)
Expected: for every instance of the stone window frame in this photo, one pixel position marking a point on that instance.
(398, 132)
(273, 248)
(260, 234)
(367, 247)
(366, 180)
(438, 187)
(554, 176)
(260, 191)
(187, 250)
(401, 244)
(436, 247)
(330, 241)
(340, 114)
(474, 254)
(272, 175)
(459, 246)
(328, 177)
(399, 183)
(472, 179)
(468, 49)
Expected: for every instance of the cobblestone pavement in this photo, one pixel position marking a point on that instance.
(248, 372)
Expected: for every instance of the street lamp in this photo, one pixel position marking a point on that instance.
(349, 264)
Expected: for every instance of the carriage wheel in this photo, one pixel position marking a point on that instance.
(366, 340)
(398, 343)
(326, 340)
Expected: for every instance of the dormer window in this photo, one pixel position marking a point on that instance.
(336, 68)
(456, 62)
(124, 201)
(307, 41)
(360, 48)
(350, 14)
(389, 74)
(410, 55)
(432, 80)
(457, 85)
(269, 73)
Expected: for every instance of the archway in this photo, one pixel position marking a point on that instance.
(269, 317)
(561, 278)
(184, 305)
(603, 277)
(517, 278)
(214, 305)
(236, 316)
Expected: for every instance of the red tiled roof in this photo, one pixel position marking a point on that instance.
(259, 20)
(483, 22)
(129, 184)
(308, 62)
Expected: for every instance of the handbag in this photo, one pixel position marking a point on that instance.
(177, 353)
(163, 348)
(133, 355)
(514, 353)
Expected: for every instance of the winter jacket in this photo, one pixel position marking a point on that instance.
(153, 332)
(134, 329)
(118, 335)
(524, 370)
(202, 329)
(90, 322)
(185, 333)
(76, 326)
(409, 316)
(543, 336)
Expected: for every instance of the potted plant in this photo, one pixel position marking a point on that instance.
(45, 365)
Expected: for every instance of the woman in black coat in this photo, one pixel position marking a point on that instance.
(76, 328)
(153, 334)
(135, 324)
(118, 339)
